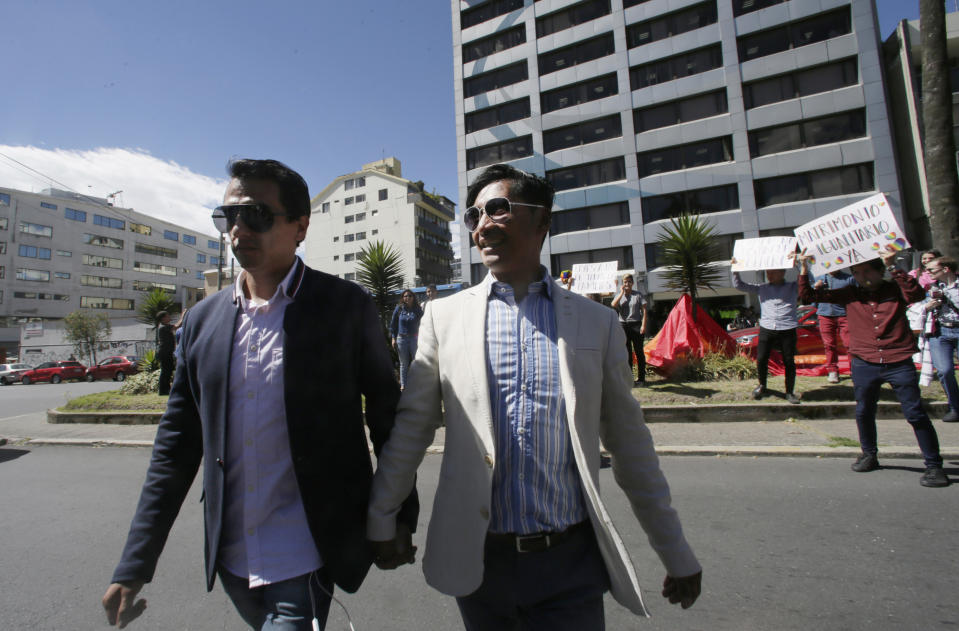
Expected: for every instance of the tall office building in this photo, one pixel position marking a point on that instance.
(377, 203)
(758, 114)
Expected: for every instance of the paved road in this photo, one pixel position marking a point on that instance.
(18, 399)
(787, 543)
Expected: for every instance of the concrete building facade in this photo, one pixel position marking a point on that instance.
(377, 203)
(760, 115)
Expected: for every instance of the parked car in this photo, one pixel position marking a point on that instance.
(118, 368)
(10, 373)
(54, 372)
(808, 340)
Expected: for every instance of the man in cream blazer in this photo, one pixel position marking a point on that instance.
(515, 579)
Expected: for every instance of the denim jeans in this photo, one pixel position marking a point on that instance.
(406, 349)
(943, 349)
(281, 606)
(868, 378)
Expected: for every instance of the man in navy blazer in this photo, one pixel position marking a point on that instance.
(269, 396)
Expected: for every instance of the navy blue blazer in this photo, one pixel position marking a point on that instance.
(335, 357)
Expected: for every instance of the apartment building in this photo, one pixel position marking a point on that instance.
(759, 115)
(377, 203)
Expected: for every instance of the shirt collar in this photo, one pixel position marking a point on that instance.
(289, 286)
(492, 285)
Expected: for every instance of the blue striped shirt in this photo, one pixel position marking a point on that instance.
(535, 483)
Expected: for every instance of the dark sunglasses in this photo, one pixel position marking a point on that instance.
(256, 217)
(498, 209)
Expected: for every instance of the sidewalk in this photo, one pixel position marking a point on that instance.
(817, 437)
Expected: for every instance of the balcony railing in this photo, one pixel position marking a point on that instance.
(442, 209)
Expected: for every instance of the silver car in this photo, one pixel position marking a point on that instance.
(10, 373)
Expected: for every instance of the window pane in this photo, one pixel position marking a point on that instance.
(774, 140)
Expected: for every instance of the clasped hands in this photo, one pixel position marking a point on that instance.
(389, 555)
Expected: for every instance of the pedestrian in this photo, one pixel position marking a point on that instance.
(404, 328)
(631, 306)
(278, 373)
(832, 322)
(943, 305)
(920, 273)
(528, 378)
(166, 344)
(431, 293)
(881, 346)
(778, 320)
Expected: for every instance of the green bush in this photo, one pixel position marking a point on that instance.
(149, 362)
(142, 383)
(716, 367)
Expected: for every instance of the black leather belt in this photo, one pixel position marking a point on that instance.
(537, 541)
(950, 325)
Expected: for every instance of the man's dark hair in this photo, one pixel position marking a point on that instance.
(523, 187)
(948, 262)
(876, 264)
(161, 315)
(431, 286)
(294, 193)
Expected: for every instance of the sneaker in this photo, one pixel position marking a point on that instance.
(792, 398)
(759, 392)
(865, 463)
(833, 377)
(952, 416)
(934, 477)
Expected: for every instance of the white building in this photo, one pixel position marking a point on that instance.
(377, 204)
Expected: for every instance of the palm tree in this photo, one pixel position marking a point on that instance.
(688, 249)
(380, 269)
(938, 144)
(153, 303)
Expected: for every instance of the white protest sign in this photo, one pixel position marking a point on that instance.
(763, 253)
(853, 234)
(595, 278)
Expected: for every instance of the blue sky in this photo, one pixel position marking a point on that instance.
(153, 98)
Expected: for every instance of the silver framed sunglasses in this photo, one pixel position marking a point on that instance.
(498, 209)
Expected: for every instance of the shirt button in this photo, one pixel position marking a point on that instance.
(251, 531)
(521, 476)
(250, 488)
(250, 395)
(249, 442)
(523, 387)
(521, 430)
(252, 348)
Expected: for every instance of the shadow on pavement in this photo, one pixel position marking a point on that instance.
(7, 455)
(688, 390)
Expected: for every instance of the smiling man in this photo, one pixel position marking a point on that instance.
(270, 396)
(528, 379)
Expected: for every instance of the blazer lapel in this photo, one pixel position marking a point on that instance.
(474, 334)
(567, 323)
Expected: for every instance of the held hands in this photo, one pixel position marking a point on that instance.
(389, 555)
(121, 604)
(684, 590)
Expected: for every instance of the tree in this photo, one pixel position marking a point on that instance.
(153, 303)
(380, 270)
(939, 150)
(87, 331)
(688, 248)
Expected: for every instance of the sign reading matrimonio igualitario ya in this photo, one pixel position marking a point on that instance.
(853, 234)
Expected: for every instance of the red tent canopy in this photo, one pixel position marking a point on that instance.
(682, 337)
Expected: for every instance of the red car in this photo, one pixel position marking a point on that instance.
(54, 372)
(116, 368)
(808, 341)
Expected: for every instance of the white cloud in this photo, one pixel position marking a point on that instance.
(162, 189)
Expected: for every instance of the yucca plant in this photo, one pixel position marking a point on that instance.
(154, 302)
(379, 268)
(689, 249)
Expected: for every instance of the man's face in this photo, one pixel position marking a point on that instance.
(866, 275)
(627, 285)
(430, 293)
(510, 249)
(776, 276)
(263, 251)
(165, 319)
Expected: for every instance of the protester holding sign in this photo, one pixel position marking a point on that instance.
(777, 326)
(631, 307)
(881, 346)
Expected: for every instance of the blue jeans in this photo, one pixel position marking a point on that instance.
(406, 349)
(281, 606)
(868, 378)
(943, 349)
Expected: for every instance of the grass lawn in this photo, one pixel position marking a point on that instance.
(115, 401)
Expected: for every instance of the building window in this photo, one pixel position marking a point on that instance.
(676, 67)
(348, 185)
(348, 218)
(374, 213)
(3, 223)
(5, 198)
(60, 253)
(36, 229)
(800, 33)
(491, 117)
(101, 281)
(141, 228)
(199, 275)
(382, 194)
(189, 239)
(335, 239)
(62, 275)
(200, 258)
(33, 252)
(566, 260)
(48, 205)
(104, 242)
(511, 149)
(360, 236)
(3, 272)
(213, 245)
(3, 247)
(680, 111)
(170, 235)
(325, 207)
(155, 250)
(374, 231)
(153, 268)
(149, 285)
(347, 238)
(215, 260)
(336, 257)
(32, 295)
(688, 156)
(814, 184)
(348, 257)
(632, 3)
(807, 133)
(722, 249)
(102, 261)
(33, 275)
(74, 215)
(577, 53)
(742, 7)
(814, 80)
(591, 218)
(582, 133)
(360, 216)
(360, 182)
(661, 27)
(487, 11)
(109, 222)
(348, 201)
(590, 174)
(95, 302)
(697, 202)
(360, 199)
(494, 79)
(349, 276)
(479, 48)
(569, 17)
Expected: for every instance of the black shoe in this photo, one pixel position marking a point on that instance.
(759, 392)
(639, 383)
(792, 398)
(934, 477)
(952, 416)
(866, 462)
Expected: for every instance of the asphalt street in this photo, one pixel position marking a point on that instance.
(786, 543)
(18, 399)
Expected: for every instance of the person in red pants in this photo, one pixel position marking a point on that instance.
(832, 321)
